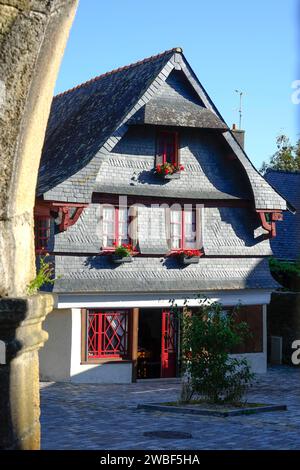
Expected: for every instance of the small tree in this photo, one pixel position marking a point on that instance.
(208, 336)
(286, 157)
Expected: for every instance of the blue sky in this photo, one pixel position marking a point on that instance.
(249, 46)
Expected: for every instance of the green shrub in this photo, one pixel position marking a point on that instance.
(45, 275)
(208, 336)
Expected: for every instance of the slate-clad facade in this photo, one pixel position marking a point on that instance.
(100, 157)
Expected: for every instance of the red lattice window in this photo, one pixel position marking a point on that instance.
(107, 334)
(167, 147)
(42, 233)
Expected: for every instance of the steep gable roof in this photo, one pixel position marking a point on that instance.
(92, 118)
(82, 119)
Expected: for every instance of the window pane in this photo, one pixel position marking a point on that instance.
(42, 232)
(123, 226)
(167, 146)
(175, 229)
(107, 334)
(190, 235)
(108, 226)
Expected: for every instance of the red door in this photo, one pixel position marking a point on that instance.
(168, 344)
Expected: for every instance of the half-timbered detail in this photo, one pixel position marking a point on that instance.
(109, 179)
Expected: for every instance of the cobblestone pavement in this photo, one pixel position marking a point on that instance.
(105, 417)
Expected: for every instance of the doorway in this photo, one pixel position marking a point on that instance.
(157, 344)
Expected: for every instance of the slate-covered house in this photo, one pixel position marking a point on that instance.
(203, 228)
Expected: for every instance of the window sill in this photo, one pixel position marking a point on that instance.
(108, 360)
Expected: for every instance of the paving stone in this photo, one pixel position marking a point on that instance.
(85, 416)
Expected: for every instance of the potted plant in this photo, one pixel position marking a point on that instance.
(123, 253)
(190, 256)
(169, 171)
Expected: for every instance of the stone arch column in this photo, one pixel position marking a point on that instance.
(33, 35)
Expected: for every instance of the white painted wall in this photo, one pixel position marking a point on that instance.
(157, 300)
(60, 359)
(117, 373)
(55, 356)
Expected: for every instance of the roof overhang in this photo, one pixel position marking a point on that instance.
(183, 113)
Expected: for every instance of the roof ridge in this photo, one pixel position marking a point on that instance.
(290, 172)
(125, 67)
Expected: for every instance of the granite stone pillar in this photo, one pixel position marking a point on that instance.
(21, 333)
(33, 35)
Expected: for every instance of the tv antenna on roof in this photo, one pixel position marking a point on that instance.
(240, 93)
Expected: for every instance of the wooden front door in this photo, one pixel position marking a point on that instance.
(168, 344)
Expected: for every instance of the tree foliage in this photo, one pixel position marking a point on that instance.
(287, 273)
(286, 157)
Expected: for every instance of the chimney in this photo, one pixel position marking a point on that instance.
(239, 135)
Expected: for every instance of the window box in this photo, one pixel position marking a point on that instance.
(173, 176)
(189, 259)
(117, 259)
(190, 256)
(168, 171)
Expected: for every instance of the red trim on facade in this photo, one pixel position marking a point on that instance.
(270, 225)
(66, 219)
(41, 233)
(44, 208)
(167, 146)
(108, 334)
(182, 229)
(116, 227)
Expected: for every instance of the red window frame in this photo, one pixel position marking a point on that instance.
(103, 338)
(165, 139)
(182, 230)
(41, 233)
(116, 226)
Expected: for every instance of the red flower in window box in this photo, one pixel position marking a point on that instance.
(189, 256)
(190, 253)
(123, 253)
(168, 169)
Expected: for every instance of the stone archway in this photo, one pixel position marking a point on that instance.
(33, 35)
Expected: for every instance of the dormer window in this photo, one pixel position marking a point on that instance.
(167, 148)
